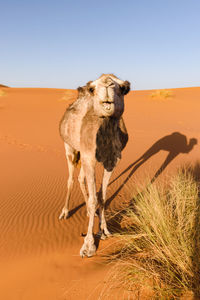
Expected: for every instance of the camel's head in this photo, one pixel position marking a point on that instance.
(108, 95)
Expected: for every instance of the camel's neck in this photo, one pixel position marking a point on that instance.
(111, 138)
(72, 120)
(189, 146)
(80, 107)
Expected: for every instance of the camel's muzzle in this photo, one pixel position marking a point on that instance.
(108, 105)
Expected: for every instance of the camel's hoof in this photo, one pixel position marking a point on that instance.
(88, 249)
(103, 235)
(107, 233)
(64, 214)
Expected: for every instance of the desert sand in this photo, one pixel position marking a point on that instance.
(39, 254)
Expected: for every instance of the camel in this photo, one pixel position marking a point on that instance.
(93, 130)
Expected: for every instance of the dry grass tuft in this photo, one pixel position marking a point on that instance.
(2, 93)
(162, 240)
(161, 95)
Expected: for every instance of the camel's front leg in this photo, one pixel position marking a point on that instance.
(70, 156)
(89, 248)
(104, 232)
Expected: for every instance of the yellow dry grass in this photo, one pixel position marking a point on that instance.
(161, 95)
(160, 246)
(2, 93)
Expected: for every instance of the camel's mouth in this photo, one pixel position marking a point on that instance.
(107, 105)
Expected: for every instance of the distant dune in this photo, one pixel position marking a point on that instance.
(3, 86)
(39, 255)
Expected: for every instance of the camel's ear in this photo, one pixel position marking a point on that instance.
(125, 87)
(81, 91)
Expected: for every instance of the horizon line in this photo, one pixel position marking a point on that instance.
(74, 89)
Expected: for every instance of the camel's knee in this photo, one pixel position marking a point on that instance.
(91, 209)
(91, 206)
(70, 182)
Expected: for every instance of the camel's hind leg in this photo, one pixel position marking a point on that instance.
(81, 179)
(70, 155)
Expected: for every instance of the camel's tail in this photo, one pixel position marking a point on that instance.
(76, 160)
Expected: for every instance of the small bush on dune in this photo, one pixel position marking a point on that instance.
(161, 243)
(2, 93)
(161, 94)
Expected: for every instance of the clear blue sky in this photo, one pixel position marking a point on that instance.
(65, 43)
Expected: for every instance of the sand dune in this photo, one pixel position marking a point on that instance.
(39, 254)
(3, 86)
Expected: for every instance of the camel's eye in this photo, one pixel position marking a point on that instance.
(122, 89)
(91, 90)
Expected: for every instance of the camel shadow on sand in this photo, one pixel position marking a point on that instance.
(175, 144)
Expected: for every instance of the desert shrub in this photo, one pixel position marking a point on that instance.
(161, 94)
(161, 242)
(2, 93)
